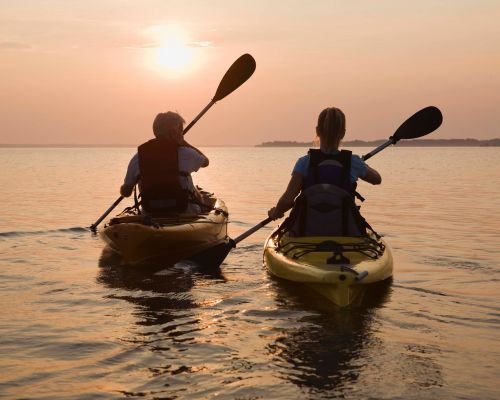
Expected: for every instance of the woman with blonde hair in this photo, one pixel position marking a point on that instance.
(327, 165)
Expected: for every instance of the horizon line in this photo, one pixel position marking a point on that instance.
(262, 144)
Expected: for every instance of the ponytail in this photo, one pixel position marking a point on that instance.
(331, 127)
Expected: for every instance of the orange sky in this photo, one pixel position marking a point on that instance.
(98, 71)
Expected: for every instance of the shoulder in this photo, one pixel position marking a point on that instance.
(186, 151)
(189, 159)
(358, 166)
(304, 158)
(134, 161)
(356, 158)
(302, 165)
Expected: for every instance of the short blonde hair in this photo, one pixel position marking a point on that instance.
(331, 127)
(166, 123)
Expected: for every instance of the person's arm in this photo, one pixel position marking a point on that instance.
(287, 198)
(206, 162)
(371, 176)
(131, 177)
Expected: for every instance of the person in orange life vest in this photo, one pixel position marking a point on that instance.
(330, 130)
(163, 167)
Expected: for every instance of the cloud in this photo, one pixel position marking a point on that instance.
(14, 46)
(203, 43)
(152, 45)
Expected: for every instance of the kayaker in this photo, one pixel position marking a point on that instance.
(162, 167)
(328, 166)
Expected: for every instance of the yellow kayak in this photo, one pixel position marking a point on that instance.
(139, 239)
(338, 268)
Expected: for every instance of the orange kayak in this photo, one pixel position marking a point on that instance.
(139, 239)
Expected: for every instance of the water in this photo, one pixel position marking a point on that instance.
(71, 329)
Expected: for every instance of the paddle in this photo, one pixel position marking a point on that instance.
(93, 227)
(237, 74)
(214, 256)
(419, 124)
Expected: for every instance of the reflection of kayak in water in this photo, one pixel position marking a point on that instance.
(139, 238)
(337, 267)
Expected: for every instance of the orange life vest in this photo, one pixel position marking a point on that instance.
(161, 190)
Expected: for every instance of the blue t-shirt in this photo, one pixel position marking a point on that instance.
(358, 166)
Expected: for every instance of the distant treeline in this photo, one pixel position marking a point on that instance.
(374, 143)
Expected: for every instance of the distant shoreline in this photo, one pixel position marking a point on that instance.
(89, 146)
(410, 143)
(63, 145)
(289, 143)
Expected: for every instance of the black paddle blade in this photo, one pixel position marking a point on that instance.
(214, 256)
(419, 124)
(236, 75)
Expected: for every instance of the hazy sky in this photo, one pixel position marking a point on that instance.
(98, 71)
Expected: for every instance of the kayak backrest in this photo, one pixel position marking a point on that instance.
(326, 210)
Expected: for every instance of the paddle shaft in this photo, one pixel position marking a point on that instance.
(246, 234)
(379, 148)
(93, 227)
(194, 121)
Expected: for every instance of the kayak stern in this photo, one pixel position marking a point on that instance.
(338, 268)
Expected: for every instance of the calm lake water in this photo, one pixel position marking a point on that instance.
(72, 329)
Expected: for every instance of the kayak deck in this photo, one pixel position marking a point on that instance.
(338, 268)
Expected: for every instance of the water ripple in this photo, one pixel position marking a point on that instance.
(14, 234)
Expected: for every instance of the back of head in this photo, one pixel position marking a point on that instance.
(166, 125)
(331, 127)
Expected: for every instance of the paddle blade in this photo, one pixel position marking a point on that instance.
(236, 75)
(214, 256)
(419, 124)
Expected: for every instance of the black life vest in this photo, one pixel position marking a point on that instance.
(325, 206)
(161, 190)
(333, 169)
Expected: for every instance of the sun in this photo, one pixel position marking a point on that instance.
(169, 52)
(173, 55)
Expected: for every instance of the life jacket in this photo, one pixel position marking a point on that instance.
(161, 190)
(334, 169)
(326, 205)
